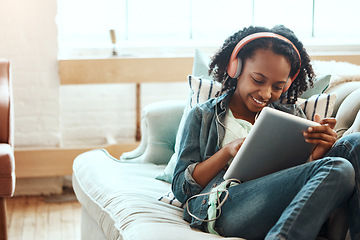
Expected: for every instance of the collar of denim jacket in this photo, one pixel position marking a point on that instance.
(223, 100)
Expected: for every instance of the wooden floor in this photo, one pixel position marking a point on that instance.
(40, 218)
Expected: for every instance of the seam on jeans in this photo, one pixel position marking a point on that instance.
(288, 225)
(347, 144)
(279, 236)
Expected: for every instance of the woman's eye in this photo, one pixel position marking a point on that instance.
(278, 88)
(257, 81)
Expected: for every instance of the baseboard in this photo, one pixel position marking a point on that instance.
(33, 163)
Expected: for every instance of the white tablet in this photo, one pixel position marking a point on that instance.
(275, 142)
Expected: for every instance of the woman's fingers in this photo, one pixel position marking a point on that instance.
(320, 138)
(325, 129)
(331, 122)
(323, 136)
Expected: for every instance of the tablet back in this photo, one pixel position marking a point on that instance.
(275, 142)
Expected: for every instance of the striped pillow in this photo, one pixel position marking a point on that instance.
(202, 89)
(322, 104)
(170, 199)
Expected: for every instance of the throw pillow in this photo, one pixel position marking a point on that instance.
(201, 65)
(320, 85)
(322, 104)
(200, 91)
(170, 199)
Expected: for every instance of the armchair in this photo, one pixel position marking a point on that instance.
(7, 161)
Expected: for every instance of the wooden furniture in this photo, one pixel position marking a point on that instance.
(7, 161)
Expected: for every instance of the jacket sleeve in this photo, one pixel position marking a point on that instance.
(183, 185)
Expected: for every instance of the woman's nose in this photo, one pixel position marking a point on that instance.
(265, 92)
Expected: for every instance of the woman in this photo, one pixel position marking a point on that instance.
(261, 67)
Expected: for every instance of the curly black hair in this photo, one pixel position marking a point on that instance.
(306, 74)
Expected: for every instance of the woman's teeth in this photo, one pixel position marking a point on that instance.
(259, 102)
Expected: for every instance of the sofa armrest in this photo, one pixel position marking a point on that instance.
(348, 110)
(159, 125)
(342, 91)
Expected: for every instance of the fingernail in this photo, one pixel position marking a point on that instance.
(310, 129)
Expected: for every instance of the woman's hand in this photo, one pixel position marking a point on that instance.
(207, 170)
(322, 136)
(234, 146)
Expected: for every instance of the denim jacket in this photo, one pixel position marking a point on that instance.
(202, 138)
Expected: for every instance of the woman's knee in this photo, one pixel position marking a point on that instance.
(343, 171)
(352, 139)
(339, 171)
(347, 147)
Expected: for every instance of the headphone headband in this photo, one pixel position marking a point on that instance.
(235, 65)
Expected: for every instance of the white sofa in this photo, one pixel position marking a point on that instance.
(120, 198)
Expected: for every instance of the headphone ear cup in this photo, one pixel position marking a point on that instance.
(234, 68)
(238, 68)
(288, 84)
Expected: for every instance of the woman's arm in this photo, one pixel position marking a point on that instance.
(186, 183)
(205, 171)
(183, 184)
(322, 136)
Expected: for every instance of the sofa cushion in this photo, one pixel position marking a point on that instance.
(122, 198)
(7, 170)
(160, 123)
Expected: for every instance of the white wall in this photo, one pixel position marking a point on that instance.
(50, 115)
(91, 115)
(28, 38)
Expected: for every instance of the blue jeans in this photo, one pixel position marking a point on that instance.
(295, 203)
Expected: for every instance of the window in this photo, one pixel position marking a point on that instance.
(85, 24)
(337, 19)
(270, 13)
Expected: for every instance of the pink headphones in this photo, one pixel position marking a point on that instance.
(235, 65)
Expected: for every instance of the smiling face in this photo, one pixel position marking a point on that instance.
(263, 77)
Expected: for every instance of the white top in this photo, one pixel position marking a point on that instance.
(235, 128)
